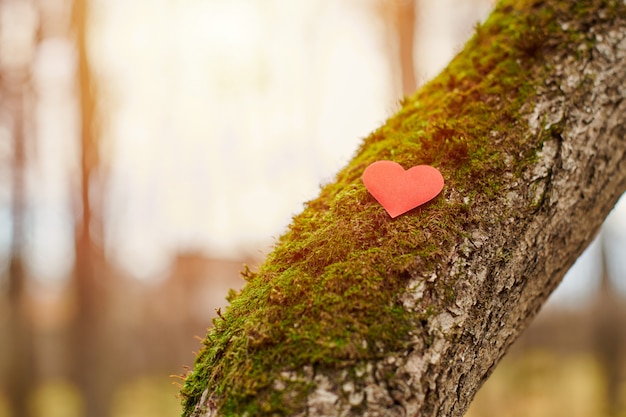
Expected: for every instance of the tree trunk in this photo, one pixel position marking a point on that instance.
(86, 335)
(607, 336)
(406, 36)
(16, 96)
(358, 314)
(21, 368)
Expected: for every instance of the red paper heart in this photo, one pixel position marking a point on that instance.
(399, 191)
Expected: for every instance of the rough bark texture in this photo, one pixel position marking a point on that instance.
(527, 188)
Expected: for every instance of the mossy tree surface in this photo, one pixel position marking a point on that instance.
(358, 314)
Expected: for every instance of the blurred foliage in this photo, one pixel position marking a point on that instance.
(148, 396)
(57, 398)
(544, 383)
(4, 406)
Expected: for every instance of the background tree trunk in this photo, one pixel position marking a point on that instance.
(16, 107)
(608, 334)
(399, 17)
(357, 314)
(87, 337)
(20, 344)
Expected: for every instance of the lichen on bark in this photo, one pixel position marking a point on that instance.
(358, 314)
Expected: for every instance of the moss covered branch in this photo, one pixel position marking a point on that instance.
(358, 314)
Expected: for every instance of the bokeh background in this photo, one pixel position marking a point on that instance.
(151, 148)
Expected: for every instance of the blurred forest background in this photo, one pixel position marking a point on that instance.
(150, 148)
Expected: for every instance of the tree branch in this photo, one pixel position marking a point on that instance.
(358, 314)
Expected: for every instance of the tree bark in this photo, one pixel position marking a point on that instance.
(358, 314)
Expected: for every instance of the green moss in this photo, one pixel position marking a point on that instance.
(328, 295)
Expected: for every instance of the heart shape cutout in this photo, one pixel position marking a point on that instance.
(399, 191)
